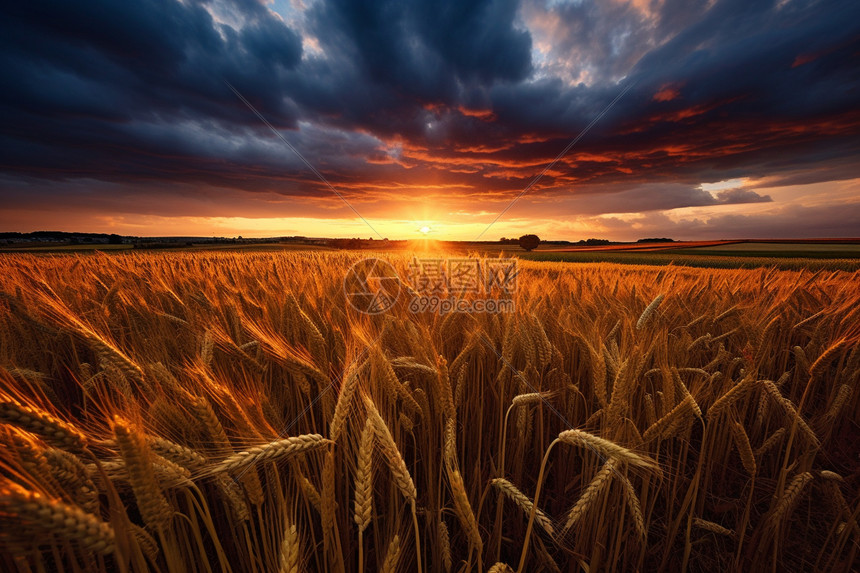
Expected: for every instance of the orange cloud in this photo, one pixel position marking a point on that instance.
(667, 93)
(482, 114)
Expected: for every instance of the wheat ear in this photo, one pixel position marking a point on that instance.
(52, 517)
(288, 557)
(770, 442)
(635, 507)
(737, 392)
(389, 449)
(176, 453)
(445, 546)
(364, 478)
(789, 498)
(279, 449)
(712, 527)
(524, 503)
(51, 429)
(606, 448)
(463, 509)
(590, 494)
(661, 427)
(392, 556)
(649, 310)
(154, 509)
(742, 443)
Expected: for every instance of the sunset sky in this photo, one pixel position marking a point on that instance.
(740, 119)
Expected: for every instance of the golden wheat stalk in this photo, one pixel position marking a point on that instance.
(38, 513)
(726, 313)
(826, 358)
(842, 396)
(73, 475)
(598, 375)
(463, 509)
(209, 423)
(232, 493)
(742, 443)
(179, 454)
(790, 496)
(712, 527)
(704, 339)
(724, 335)
(445, 546)
(207, 346)
(635, 507)
(288, 556)
(392, 556)
(770, 442)
(524, 503)
(270, 452)
(154, 508)
(589, 496)
(364, 478)
(310, 492)
(649, 311)
(147, 543)
(386, 442)
(112, 355)
(344, 402)
(676, 376)
(792, 412)
(606, 448)
(36, 421)
(725, 401)
(650, 410)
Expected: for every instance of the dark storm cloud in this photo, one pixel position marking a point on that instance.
(478, 94)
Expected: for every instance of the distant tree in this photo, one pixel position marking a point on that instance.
(656, 240)
(594, 242)
(114, 239)
(529, 242)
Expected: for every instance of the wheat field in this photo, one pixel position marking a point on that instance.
(209, 412)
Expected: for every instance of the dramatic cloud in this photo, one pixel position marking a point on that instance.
(418, 110)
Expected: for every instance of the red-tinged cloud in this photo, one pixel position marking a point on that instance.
(667, 93)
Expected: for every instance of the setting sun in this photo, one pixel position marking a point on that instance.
(424, 230)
